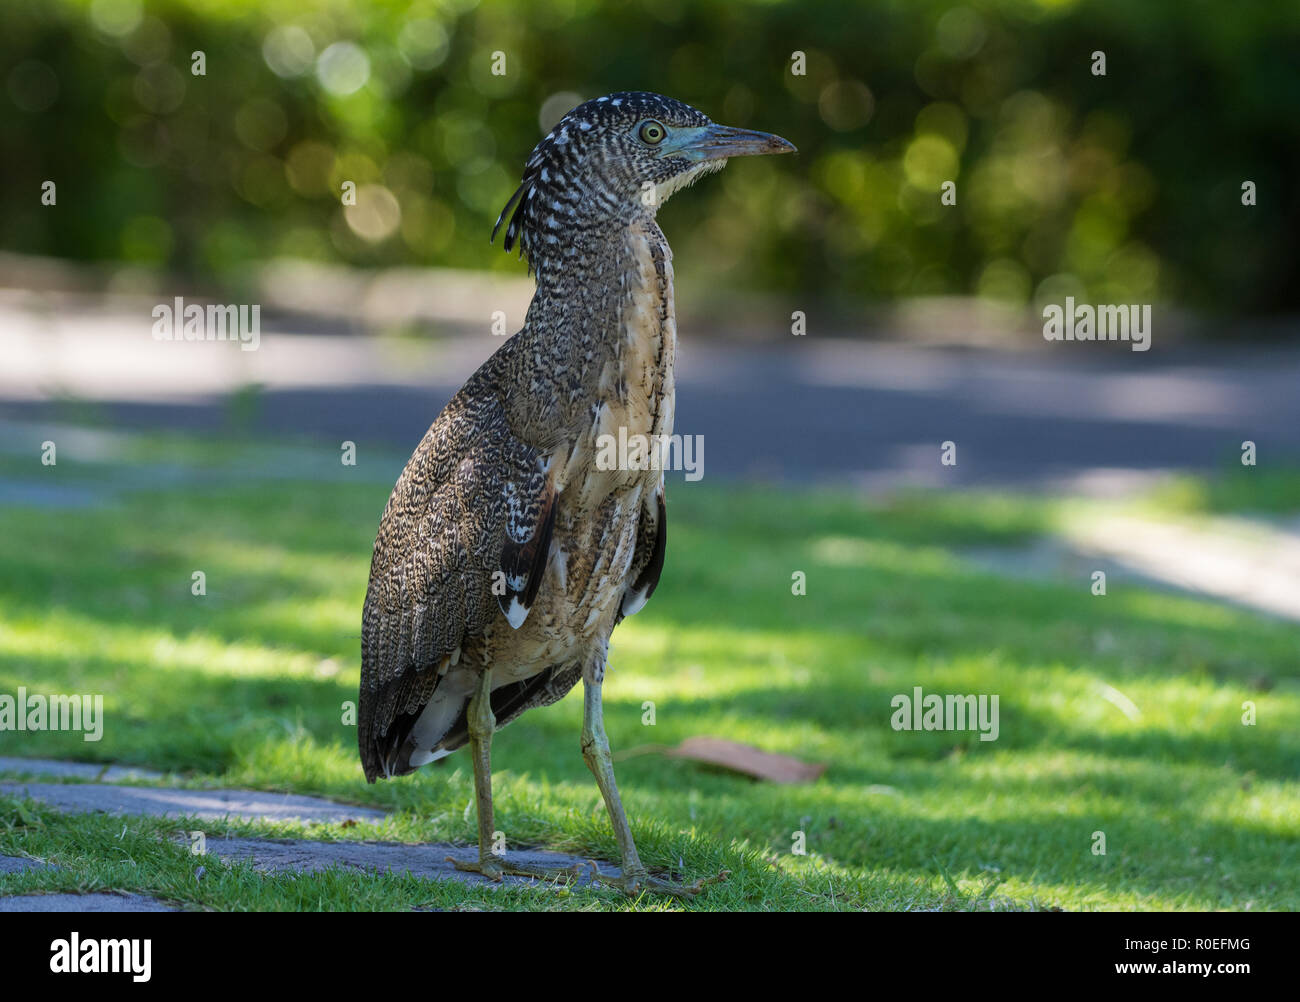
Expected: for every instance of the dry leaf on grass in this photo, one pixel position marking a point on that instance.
(739, 758)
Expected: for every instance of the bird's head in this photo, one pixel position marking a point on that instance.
(614, 158)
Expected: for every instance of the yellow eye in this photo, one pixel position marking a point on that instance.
(652, 133)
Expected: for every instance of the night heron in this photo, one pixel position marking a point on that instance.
(507, 554)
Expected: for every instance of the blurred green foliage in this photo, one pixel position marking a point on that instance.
(1117, 188)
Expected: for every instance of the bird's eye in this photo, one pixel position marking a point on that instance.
(652, 133)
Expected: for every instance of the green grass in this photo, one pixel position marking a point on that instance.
(244, 686)
(1250, 489)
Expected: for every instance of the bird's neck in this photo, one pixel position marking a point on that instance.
(589, 248)
(604, 308)
(600, 277)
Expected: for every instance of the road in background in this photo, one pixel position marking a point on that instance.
(808, 410)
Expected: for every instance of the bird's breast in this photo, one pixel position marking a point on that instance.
(608, 469)
(631, 410)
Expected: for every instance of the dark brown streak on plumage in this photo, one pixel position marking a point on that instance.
(530, 521)
(656, 548)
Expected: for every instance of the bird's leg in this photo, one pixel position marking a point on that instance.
(595, 749)
(482, 724)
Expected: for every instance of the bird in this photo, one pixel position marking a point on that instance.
(507, 553)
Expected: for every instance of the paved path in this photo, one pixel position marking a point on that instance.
(426, 861)
(95, 771)
(1248, 563)
(1234, 560)
(19, 864)
(212, 805)
(115, 902)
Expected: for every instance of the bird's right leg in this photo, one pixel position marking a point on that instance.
(482, 725)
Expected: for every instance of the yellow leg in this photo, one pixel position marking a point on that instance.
(482, 725)
(595, 749)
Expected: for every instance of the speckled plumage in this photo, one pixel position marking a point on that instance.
(504, 489)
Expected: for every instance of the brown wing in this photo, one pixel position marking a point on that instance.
(551, 685)
(439, 548)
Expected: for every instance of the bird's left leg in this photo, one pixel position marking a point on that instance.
(482, 724)
(595, 749)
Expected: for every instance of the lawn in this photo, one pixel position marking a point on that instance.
(244, 686)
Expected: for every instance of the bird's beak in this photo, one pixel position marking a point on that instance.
(718, 142)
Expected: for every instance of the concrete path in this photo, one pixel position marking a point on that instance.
(204, 804)
(93, 771)
(83, 903)
(20, 864)
(1243, 562)
(104, 902)
(1235, 560)
(427, 861)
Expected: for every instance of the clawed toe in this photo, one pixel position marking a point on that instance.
(636, 883)
(495, 868)
(485, 867)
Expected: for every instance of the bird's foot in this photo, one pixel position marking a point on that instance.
(636, 882)
(496, 867)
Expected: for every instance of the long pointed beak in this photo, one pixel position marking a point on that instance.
(718, 142)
